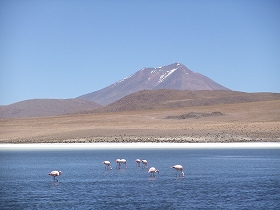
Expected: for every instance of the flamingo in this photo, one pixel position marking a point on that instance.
(118, 161)
(138, 162)
(145, 162)
(107, 164)
(153, 170)
(123, 161)
(179, 168)
(55, 174)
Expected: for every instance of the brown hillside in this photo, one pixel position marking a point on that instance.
(247, 121)
(45, 107)
(169, 99)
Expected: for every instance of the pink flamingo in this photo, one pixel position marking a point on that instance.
(123, 161)
(153, 170)
(118, 161)
(179, 168)
(55, 174)
(145, 162)
(107, 164)
(138, 162)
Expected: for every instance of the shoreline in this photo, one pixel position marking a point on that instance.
(136, 146)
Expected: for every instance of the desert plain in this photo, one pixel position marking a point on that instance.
(237, 122)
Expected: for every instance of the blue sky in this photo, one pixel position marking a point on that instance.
(63, 49)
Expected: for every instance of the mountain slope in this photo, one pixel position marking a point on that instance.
(174, 76)
(45, 107)
(169, 99)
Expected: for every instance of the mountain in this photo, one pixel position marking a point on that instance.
(175, 76)
(170, 99)
(46, 107)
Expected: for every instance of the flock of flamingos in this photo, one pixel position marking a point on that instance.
(121, 162)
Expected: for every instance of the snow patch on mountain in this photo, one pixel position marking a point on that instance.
(153, 71)
(164, 76)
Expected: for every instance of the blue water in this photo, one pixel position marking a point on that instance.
(214, 179)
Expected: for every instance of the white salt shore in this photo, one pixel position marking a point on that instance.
(108, 146)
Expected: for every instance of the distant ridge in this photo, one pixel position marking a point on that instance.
(174, 76)
(170, 99)
(46, 107)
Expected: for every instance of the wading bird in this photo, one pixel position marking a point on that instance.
(145, 162)
(138, 162)
(153, 170)
(179, 168)
(118, 161)
(55, 174)
(123, 161)
(107, 164)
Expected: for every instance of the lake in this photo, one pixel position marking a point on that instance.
(214, 179)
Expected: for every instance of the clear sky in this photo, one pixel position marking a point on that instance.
(66, 48)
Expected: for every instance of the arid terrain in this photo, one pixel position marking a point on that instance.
(235, 122)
